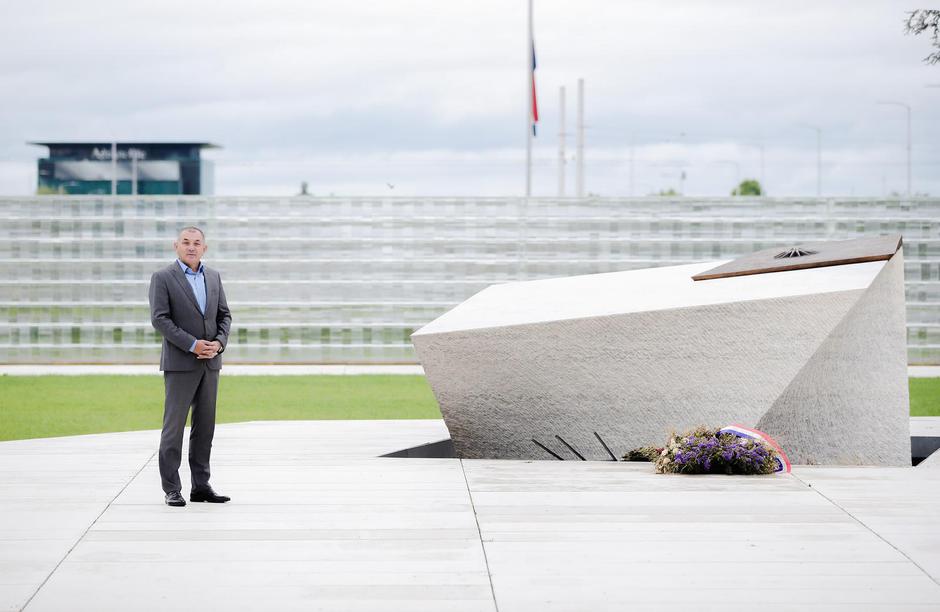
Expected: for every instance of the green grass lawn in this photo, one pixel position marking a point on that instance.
(45, 406)
(925, 396)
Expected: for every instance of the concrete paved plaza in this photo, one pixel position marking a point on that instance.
(319, 522)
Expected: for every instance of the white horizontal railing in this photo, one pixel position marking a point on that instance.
(73, 268)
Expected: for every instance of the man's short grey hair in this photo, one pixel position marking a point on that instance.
(192, 228)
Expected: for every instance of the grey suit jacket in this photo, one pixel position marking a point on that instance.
(174, 313)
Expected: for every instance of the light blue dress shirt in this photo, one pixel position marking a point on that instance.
(197, 280)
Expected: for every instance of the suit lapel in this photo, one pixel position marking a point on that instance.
(180, 277)
(212, 292)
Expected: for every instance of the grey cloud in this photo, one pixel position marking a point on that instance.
(287, 80)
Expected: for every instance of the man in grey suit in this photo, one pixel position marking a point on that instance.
(187, 306)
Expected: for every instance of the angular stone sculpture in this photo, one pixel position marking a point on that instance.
(814, 356)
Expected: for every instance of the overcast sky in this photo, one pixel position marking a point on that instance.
(428, 97)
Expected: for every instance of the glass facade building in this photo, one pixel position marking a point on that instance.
(144, 168)
(347, 280)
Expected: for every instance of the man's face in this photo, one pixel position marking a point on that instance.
(190, 247)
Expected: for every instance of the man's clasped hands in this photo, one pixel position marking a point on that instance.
(207, 350)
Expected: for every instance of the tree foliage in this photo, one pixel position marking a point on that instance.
(667, 192)
(748, 187)
(926, 20)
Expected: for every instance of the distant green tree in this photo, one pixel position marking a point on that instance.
(667, 192)
(926, 20)
(748, 187)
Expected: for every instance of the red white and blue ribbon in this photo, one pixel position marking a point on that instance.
(783, 462)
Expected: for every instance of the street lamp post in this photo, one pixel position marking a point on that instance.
(680, 138)
(135, 155)
(114, 177)
(908, 109)
(737, 170)
(760, 147)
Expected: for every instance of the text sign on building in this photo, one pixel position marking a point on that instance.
(105, 153)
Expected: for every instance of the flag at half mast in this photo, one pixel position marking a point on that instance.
(535, 103)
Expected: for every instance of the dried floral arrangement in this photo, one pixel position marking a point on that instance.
(719, 451)
(644, 453)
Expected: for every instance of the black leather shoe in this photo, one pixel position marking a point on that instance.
(173, 498)
(207, 495)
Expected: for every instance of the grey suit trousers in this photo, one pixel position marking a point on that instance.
(196, 388)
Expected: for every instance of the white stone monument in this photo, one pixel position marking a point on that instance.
(807, 344)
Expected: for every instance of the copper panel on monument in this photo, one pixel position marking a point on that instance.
(807, 255)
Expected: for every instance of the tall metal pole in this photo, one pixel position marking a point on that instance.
(530, 54)
(681, 140)
(737, 170)
(763, 186)
(759, 145)
(909, 192)
(113, 168)
(561, 142)
(134, 173)
(908, 109)
(580, 160)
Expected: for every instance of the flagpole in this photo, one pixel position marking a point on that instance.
(561, 142)
(114, 179)
(580, 143)
(528, 113)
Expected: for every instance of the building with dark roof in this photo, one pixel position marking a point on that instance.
(124, 168)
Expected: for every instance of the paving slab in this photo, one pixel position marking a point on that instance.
(898, 505)
(611, 536)
(319, 521)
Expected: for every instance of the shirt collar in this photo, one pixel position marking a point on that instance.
(186, 269)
